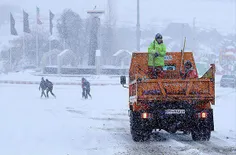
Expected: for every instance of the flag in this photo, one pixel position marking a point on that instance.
(12, 26)
(51, 16)
(38, 17)
(26, 22)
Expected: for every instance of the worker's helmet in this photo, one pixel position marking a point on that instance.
(47, 80)
(42, 79)
(188, 63)
(158, 36)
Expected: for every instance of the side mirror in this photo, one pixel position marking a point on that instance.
(122, 80)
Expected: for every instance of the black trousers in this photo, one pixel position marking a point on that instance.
(86, 93)
(43, 93)
(50, 90)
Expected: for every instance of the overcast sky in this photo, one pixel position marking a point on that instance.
(220, 14)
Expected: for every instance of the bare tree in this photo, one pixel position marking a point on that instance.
(71, 31)
(108, 32)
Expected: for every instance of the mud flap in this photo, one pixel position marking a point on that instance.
(210, 119)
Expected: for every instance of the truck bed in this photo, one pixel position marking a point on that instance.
(173, 90)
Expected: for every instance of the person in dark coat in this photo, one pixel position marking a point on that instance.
(85, 89)
(189, 71)
(88, 89)
(49, 86)
(43, 87)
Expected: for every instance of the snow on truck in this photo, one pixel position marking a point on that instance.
(170, 103)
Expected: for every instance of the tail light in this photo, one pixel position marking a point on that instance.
(202, 115)
(146, 115)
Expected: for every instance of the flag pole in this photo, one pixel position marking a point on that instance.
(23, 45)
(50, 48)
(37, 48)
(10, 57)
(51, 16)
(50, 44)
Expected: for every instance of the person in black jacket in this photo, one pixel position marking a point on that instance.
(43, 87)
(88, 89)
(49, 86)
(85, 89)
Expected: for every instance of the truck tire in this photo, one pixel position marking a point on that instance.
(201, 134)
(140, 131)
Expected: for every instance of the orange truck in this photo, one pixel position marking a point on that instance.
(170, 103)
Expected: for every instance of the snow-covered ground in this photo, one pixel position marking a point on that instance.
(29, 76)
(69, 125)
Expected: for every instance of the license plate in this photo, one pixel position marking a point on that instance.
(174, 111)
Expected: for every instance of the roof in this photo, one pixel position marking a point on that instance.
(122, 51)
(65, 51)
(230, 47)
(229, 53)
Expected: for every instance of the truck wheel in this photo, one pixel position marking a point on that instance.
(139, 130)
(201, 134)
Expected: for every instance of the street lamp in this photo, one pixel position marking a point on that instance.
(138, 28)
